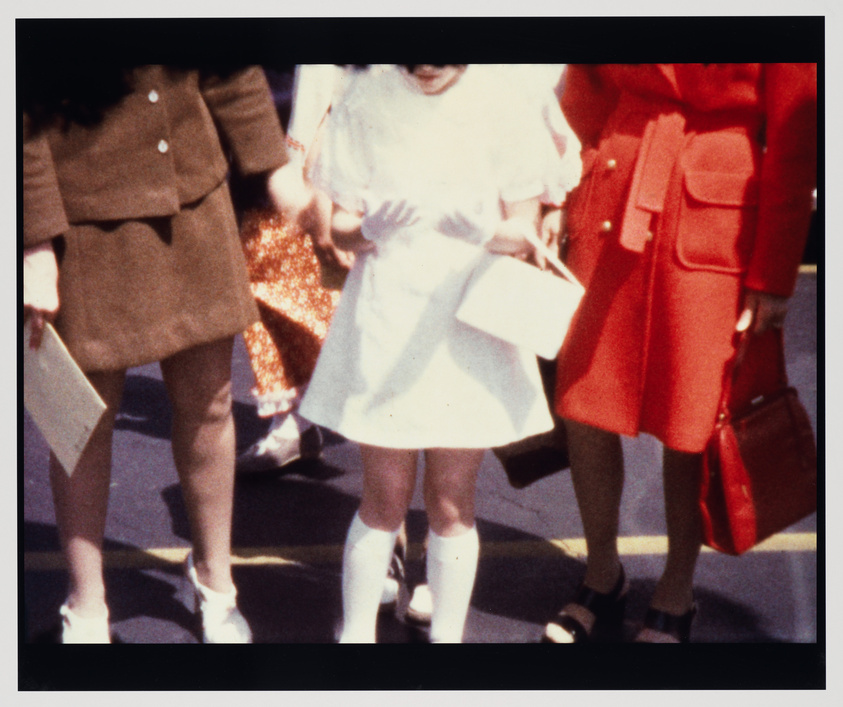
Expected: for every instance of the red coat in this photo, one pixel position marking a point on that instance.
(696, 184)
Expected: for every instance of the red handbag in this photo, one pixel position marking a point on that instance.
(760, 466)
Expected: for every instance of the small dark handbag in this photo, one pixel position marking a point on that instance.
(528, 460)
(760, 466)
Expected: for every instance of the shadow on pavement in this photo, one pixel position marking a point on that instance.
(132, 593)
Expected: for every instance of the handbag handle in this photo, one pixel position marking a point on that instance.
(734, 367)
(551, 257)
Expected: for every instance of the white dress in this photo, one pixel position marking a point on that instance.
(397, 369)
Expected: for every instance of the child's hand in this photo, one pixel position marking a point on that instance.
(320, 232)
(552, 223)
(551, 227)
(385, 219)
(511, 237)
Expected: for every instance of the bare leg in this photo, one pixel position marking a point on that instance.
(450, 479)
(198, 381)
(389, 479)
(674, 591)
(81, 501)
(453, 544)
(388, 482)
(597, 473)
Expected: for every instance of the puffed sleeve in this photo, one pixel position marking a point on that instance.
(788, 176)
(43, 211)
(313, 90)
(241, 103)
(342, 169)
(564, 162)
(534, 86)
(524, 146)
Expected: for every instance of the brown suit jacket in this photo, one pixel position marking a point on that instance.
(162, 146)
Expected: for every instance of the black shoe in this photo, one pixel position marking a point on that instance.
(674, 629)
(608, 610)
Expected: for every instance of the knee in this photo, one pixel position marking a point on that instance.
(582, 434)
(446, 510)
(209, 406)
(593, 448)
(384, 503)
(382, 512)
(448, 518)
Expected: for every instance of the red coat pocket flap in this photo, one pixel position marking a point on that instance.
(722, 188)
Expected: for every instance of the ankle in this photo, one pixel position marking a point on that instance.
(221, 620)
(603, 576)
(674, 601)
(676, 608)
(91, 606)
(214, 576)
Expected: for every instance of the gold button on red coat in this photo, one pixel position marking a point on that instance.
(611, 163)
(606, 226)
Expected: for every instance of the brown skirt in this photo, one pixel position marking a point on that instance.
(134, 292)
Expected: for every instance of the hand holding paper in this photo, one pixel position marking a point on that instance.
(40, 288)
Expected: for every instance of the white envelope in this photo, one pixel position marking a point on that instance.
(62, 402)
(521, 304)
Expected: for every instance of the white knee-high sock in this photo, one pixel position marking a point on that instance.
(364, 566)
(451, 568)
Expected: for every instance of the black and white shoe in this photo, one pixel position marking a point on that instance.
(282, 446)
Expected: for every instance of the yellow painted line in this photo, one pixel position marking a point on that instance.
(168, 556)
(808, 269)
(642, 545)
(328, 554)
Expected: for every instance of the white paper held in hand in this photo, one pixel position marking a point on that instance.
(60, 399)
(521, 304)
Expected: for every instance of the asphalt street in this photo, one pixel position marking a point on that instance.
(288, 536)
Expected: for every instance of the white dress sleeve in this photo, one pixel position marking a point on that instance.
(565, 164)
(341, 169)
(540, 137)
(523, 143)
(313, 90)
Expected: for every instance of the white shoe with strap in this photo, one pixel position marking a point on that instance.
(289, 439)
(420, 608)
(222, 621)
(79, 629)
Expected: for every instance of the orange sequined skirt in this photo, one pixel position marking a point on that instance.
(295, 309)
